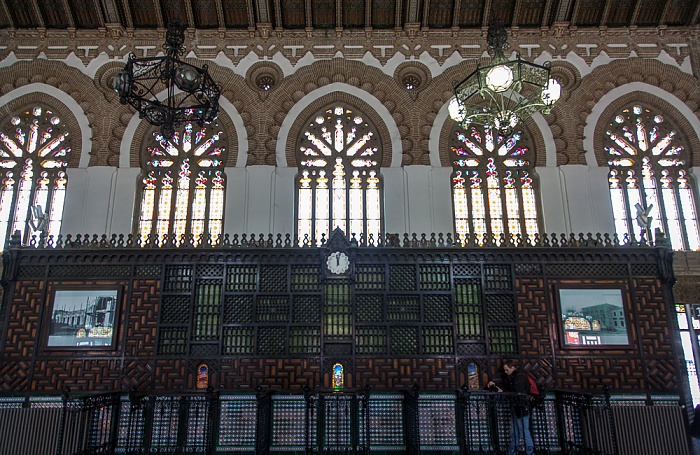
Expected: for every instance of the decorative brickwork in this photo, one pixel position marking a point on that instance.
(435, 311)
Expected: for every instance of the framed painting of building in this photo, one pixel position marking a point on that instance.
(83, 318)
(592, 317)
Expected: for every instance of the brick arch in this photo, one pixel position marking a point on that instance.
(327, 100)
(688, 137)
(67, 117)
(571, 117)
(322, 73)
(102, 114)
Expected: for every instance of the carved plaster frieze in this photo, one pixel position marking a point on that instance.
(382, 45)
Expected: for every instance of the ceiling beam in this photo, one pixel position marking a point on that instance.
(220, 14)
(545, 13)
(159, 13)
(111, 9)
(487, 16)
(309, 17)
(455, 13)
(263, 11)
(694, 19)
(368, 13)
(338, 13)
(397, 13)
(98, 10)
(606, 12)
(69, 14)
(251, 13)
(574, 13)
(635, 12)
(37, 11)
(664, 14)
(127, 14)
(190, 13)
(6, 10)
(516, 10)
(426, 13)
(278, 13)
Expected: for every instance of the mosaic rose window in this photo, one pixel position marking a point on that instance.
(183, 186)
(34, 150)
(650, 186)
(339, 184)
(493, 185)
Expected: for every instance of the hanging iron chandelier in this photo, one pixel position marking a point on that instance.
(191, 93)
(505, 92)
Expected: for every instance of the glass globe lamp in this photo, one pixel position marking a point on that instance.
(456, 110)
(499, 78)
(552, 92)
(187, 78)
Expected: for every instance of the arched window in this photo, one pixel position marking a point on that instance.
(493, 186)
(33, 156)
(338, 183)
(183, 185)
(649, 175)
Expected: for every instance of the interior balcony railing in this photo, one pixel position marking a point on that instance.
(414, 240)
(337, 422)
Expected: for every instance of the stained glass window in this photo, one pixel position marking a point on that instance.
(339, 184)
(493, 185)
(183, 185)
(650, 186)
(34, 148)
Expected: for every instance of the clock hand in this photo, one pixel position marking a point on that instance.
(337, 259)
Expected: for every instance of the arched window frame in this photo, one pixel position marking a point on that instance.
(495, 191)
(182, 186)
(649, 165)
(339, 182)
(34, 151)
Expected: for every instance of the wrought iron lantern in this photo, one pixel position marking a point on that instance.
(191, 93)
(505, 92)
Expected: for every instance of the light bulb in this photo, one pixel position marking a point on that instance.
(456, 110)
(552, 92)
(499, 78)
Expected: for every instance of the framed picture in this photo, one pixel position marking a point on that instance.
(83, 318)
(592, 317)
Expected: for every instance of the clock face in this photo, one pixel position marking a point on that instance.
(338, 263)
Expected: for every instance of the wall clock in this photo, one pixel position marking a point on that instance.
(338, 263)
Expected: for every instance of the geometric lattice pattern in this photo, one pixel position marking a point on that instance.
(500, 308)
(402, 278)
(417, 321)
(369, 277)
(434, 277)
(437, 308)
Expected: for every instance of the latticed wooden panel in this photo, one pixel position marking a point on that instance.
(238, 341)
(178, 278)
(394, 323)
(402, 278)
(437, 308)
(369, 308)
(434, 277)
(273, 278)
(243, 278)
(370, 277)
(305, 278)
(238, 309)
